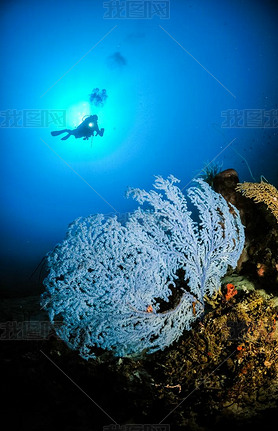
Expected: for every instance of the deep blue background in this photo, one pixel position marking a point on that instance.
(162, 115)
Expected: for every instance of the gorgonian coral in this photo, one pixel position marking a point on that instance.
(107, 280)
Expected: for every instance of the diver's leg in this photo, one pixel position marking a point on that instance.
(66, 137)
(69, 133)
(59, 132)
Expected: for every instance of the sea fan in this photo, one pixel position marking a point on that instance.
(108, 283)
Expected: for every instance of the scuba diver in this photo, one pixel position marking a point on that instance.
(84, 130)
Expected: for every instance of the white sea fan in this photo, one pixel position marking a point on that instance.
(108, 283)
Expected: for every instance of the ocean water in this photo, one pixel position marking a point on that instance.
(188, 84)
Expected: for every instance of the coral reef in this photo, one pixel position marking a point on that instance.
(231, 359)
(259, 259)
(223, 374)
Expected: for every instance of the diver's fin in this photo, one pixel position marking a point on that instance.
(58, 132)
(65, 137)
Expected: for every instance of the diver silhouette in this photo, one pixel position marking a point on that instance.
(84, 130)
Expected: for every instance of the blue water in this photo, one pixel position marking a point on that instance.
(168, 79)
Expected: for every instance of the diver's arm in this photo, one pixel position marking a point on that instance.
(99, 131)
(96, 129)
